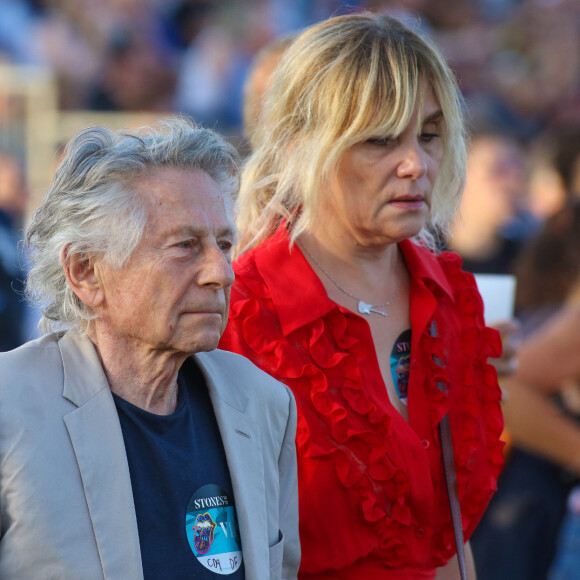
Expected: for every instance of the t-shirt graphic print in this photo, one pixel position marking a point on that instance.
(212, 530)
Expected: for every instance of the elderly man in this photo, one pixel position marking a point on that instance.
(129, 447)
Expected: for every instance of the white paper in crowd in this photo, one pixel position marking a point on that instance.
(498, 293)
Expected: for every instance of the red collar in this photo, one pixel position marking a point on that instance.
(297, 292)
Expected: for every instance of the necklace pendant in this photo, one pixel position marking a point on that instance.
(365, 308)
(378, 312)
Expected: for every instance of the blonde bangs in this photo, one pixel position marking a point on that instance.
(388, 104)
(371, 97)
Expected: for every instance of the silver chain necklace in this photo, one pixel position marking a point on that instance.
(363, 307)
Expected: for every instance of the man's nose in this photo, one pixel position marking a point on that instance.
(217, 268)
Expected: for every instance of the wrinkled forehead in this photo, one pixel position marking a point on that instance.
(170, 191)
(168, 180)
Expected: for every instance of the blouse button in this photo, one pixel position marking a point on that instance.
(426, 444)
(420, 533)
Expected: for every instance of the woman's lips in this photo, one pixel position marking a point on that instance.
(408, 202)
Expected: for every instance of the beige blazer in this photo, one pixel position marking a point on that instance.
(66, 504)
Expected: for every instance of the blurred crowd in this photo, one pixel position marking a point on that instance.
(518, 66)
(518, 61)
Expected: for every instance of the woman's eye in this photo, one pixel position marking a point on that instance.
(428, 137)
(380, 141)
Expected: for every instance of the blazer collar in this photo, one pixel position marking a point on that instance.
(84, 376)
(222, 382)
(97, 441)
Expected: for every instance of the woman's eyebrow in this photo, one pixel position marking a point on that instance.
(434, 116)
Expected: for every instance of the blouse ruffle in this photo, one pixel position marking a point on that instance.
(344, 422)
(474, 409)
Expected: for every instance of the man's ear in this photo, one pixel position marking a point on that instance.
(82, 277)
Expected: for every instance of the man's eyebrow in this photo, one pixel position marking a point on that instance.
(196, 232)
(226, 232)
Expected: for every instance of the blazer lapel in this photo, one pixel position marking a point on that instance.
(241, 440)
(97, 441)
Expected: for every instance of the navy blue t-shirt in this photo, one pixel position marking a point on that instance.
(185, 507)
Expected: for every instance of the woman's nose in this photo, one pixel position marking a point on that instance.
(413, 162)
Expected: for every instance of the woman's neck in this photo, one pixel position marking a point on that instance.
(351, 271)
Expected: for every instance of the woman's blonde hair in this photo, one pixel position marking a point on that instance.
(341, 82)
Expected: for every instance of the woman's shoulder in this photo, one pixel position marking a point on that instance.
(442, 267)
(270, 269)
(460, 280)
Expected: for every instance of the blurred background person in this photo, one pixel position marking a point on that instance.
(134, 76)
(494, 219)
(256, 84)
(13, 199)
(517, 537)
(555, 161)
(526, 91)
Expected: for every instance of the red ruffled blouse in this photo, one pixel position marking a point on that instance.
(373, 501)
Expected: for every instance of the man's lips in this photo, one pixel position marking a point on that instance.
(219, 311)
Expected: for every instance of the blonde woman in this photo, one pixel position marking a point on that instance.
(339, 295)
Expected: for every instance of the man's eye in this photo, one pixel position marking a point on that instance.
(186, 244)
(225, 247)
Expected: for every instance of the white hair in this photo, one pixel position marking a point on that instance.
(92, 210)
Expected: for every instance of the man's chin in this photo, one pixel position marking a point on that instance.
(205, 341)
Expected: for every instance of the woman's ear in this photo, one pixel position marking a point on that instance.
(81, 275)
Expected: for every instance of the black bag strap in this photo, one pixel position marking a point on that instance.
(450, 477)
